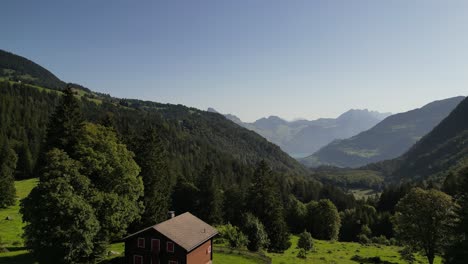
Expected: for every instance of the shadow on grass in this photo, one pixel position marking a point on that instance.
(13, 249)
(19, 255)
(16, 258)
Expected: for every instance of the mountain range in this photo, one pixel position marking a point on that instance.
(441, 152)
(300, 138)
(387, 140)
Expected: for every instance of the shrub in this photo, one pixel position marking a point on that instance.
(407, 255)
(255, 231)
(363, 239)
(302, 253)
(305, 241)
(233, 236)
(381, 240)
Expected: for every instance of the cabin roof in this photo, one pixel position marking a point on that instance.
(186, 230)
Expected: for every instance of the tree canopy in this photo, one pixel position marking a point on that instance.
(424, 220)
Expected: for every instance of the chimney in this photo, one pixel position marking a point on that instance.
(171, 214)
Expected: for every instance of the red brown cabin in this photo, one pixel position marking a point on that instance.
(183, 239)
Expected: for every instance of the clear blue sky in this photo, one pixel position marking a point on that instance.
(252, 58)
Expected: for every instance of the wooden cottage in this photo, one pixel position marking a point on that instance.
(183, 239)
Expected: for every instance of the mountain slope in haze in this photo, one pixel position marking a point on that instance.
(193, 138)
(387, 140)
(443, 150)
(17, 68)
(302, 137)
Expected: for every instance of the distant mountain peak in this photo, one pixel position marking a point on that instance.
(387, 140)
(212, 110)
(302, 137)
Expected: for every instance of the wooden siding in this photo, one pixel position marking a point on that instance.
(200, 255)
(131, 249)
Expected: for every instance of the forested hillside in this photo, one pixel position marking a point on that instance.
(192, 137)
(442, 152)
(17, 68)
(387, 140)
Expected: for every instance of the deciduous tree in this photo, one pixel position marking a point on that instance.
(424, 220)
(323, 220)
(61, 225)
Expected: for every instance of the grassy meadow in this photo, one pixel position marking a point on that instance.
(326, 252)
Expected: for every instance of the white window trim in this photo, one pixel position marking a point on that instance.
(135, 256)
(138, 242)
(159, 244)
(167, 246)
(209, 249)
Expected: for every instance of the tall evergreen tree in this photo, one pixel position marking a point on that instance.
(8, 159)
(63, 129)
(152, 159)
(210, 198)
(65, 124)
(234, 203)
(25, 161)
(264, 201)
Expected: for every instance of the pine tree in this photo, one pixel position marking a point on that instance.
(152, 159)
(63, 129)
(8, 159)
(264, 201)
(210, 199)
(25, 161)
(65, 124)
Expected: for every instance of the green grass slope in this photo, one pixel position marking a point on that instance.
(11, 230)
(327, 252)
(387, 140)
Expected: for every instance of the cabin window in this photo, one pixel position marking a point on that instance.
(141, 242)
(170, 247)
(155, 245)
(137, 259)
(208, 250)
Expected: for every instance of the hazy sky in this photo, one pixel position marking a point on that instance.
(252, 58)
